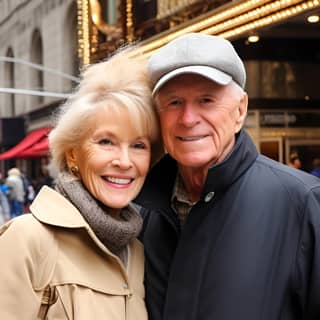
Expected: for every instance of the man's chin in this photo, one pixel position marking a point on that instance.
(194, 162)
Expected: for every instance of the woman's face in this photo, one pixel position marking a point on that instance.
(113, 160)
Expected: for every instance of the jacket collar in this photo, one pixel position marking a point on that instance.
(52, 208)
(160, 181)
(223, 174)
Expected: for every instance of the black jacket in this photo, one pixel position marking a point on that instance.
(249, 250)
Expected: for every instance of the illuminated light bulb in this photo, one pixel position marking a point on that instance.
(95, 18)
(313, 18)
(253, 38)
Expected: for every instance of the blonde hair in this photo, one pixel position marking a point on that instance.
(119, 82)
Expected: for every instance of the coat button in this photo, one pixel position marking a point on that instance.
(125, 286)
(209, 196)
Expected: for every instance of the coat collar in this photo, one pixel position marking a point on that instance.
(52, 208)
(160, 181)
(223, 174)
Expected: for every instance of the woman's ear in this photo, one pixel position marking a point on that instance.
(242, 111)
(71, 158)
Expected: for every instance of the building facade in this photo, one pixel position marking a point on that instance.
(38, 57)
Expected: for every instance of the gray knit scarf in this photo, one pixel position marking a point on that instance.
(114, 234)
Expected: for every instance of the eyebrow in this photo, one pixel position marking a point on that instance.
(102, 133)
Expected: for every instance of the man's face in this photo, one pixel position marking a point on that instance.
(199, 119)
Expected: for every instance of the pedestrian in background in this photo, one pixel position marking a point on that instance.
(316, 167)
(294, 161)
(3, 186)
(76, 255)
(4, 208)
(29, 193)
(229, 234)
(16, 192)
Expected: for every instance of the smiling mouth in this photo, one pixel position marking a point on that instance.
(191, 138)
(121, 181)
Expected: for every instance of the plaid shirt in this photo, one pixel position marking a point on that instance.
(180, 202)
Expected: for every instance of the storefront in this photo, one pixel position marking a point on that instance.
(34, 148)
(33, 145)
(104, 25)
(279, 133)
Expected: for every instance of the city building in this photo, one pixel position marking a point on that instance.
(39, 67)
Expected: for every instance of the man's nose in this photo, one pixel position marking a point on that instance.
(189, 115)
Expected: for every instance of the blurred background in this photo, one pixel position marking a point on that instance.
(45, 43)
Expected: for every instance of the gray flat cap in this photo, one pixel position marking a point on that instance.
(209, 56)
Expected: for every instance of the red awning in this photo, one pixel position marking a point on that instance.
(37, 150)
(35, 144)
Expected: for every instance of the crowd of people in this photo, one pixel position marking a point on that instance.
(17, 192)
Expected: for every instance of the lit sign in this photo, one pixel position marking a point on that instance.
(290, 119)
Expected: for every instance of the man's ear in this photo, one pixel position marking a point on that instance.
(71, 158)
(242, 111)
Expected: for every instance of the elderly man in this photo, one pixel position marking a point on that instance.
(229, 234)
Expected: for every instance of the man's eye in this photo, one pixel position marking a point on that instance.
(104, 141)
(171, 105)
(174, 103)
(206, 100)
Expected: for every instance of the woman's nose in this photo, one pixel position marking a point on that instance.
(123, 160)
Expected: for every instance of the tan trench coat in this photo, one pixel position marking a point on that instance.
(54, 245)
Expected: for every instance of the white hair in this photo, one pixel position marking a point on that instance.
(121, 82)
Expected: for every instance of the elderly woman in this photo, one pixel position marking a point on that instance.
(76, 255)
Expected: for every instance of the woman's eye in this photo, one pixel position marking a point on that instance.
(140, 145)
(105, 141)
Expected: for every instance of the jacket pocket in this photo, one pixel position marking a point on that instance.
(79, 302)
